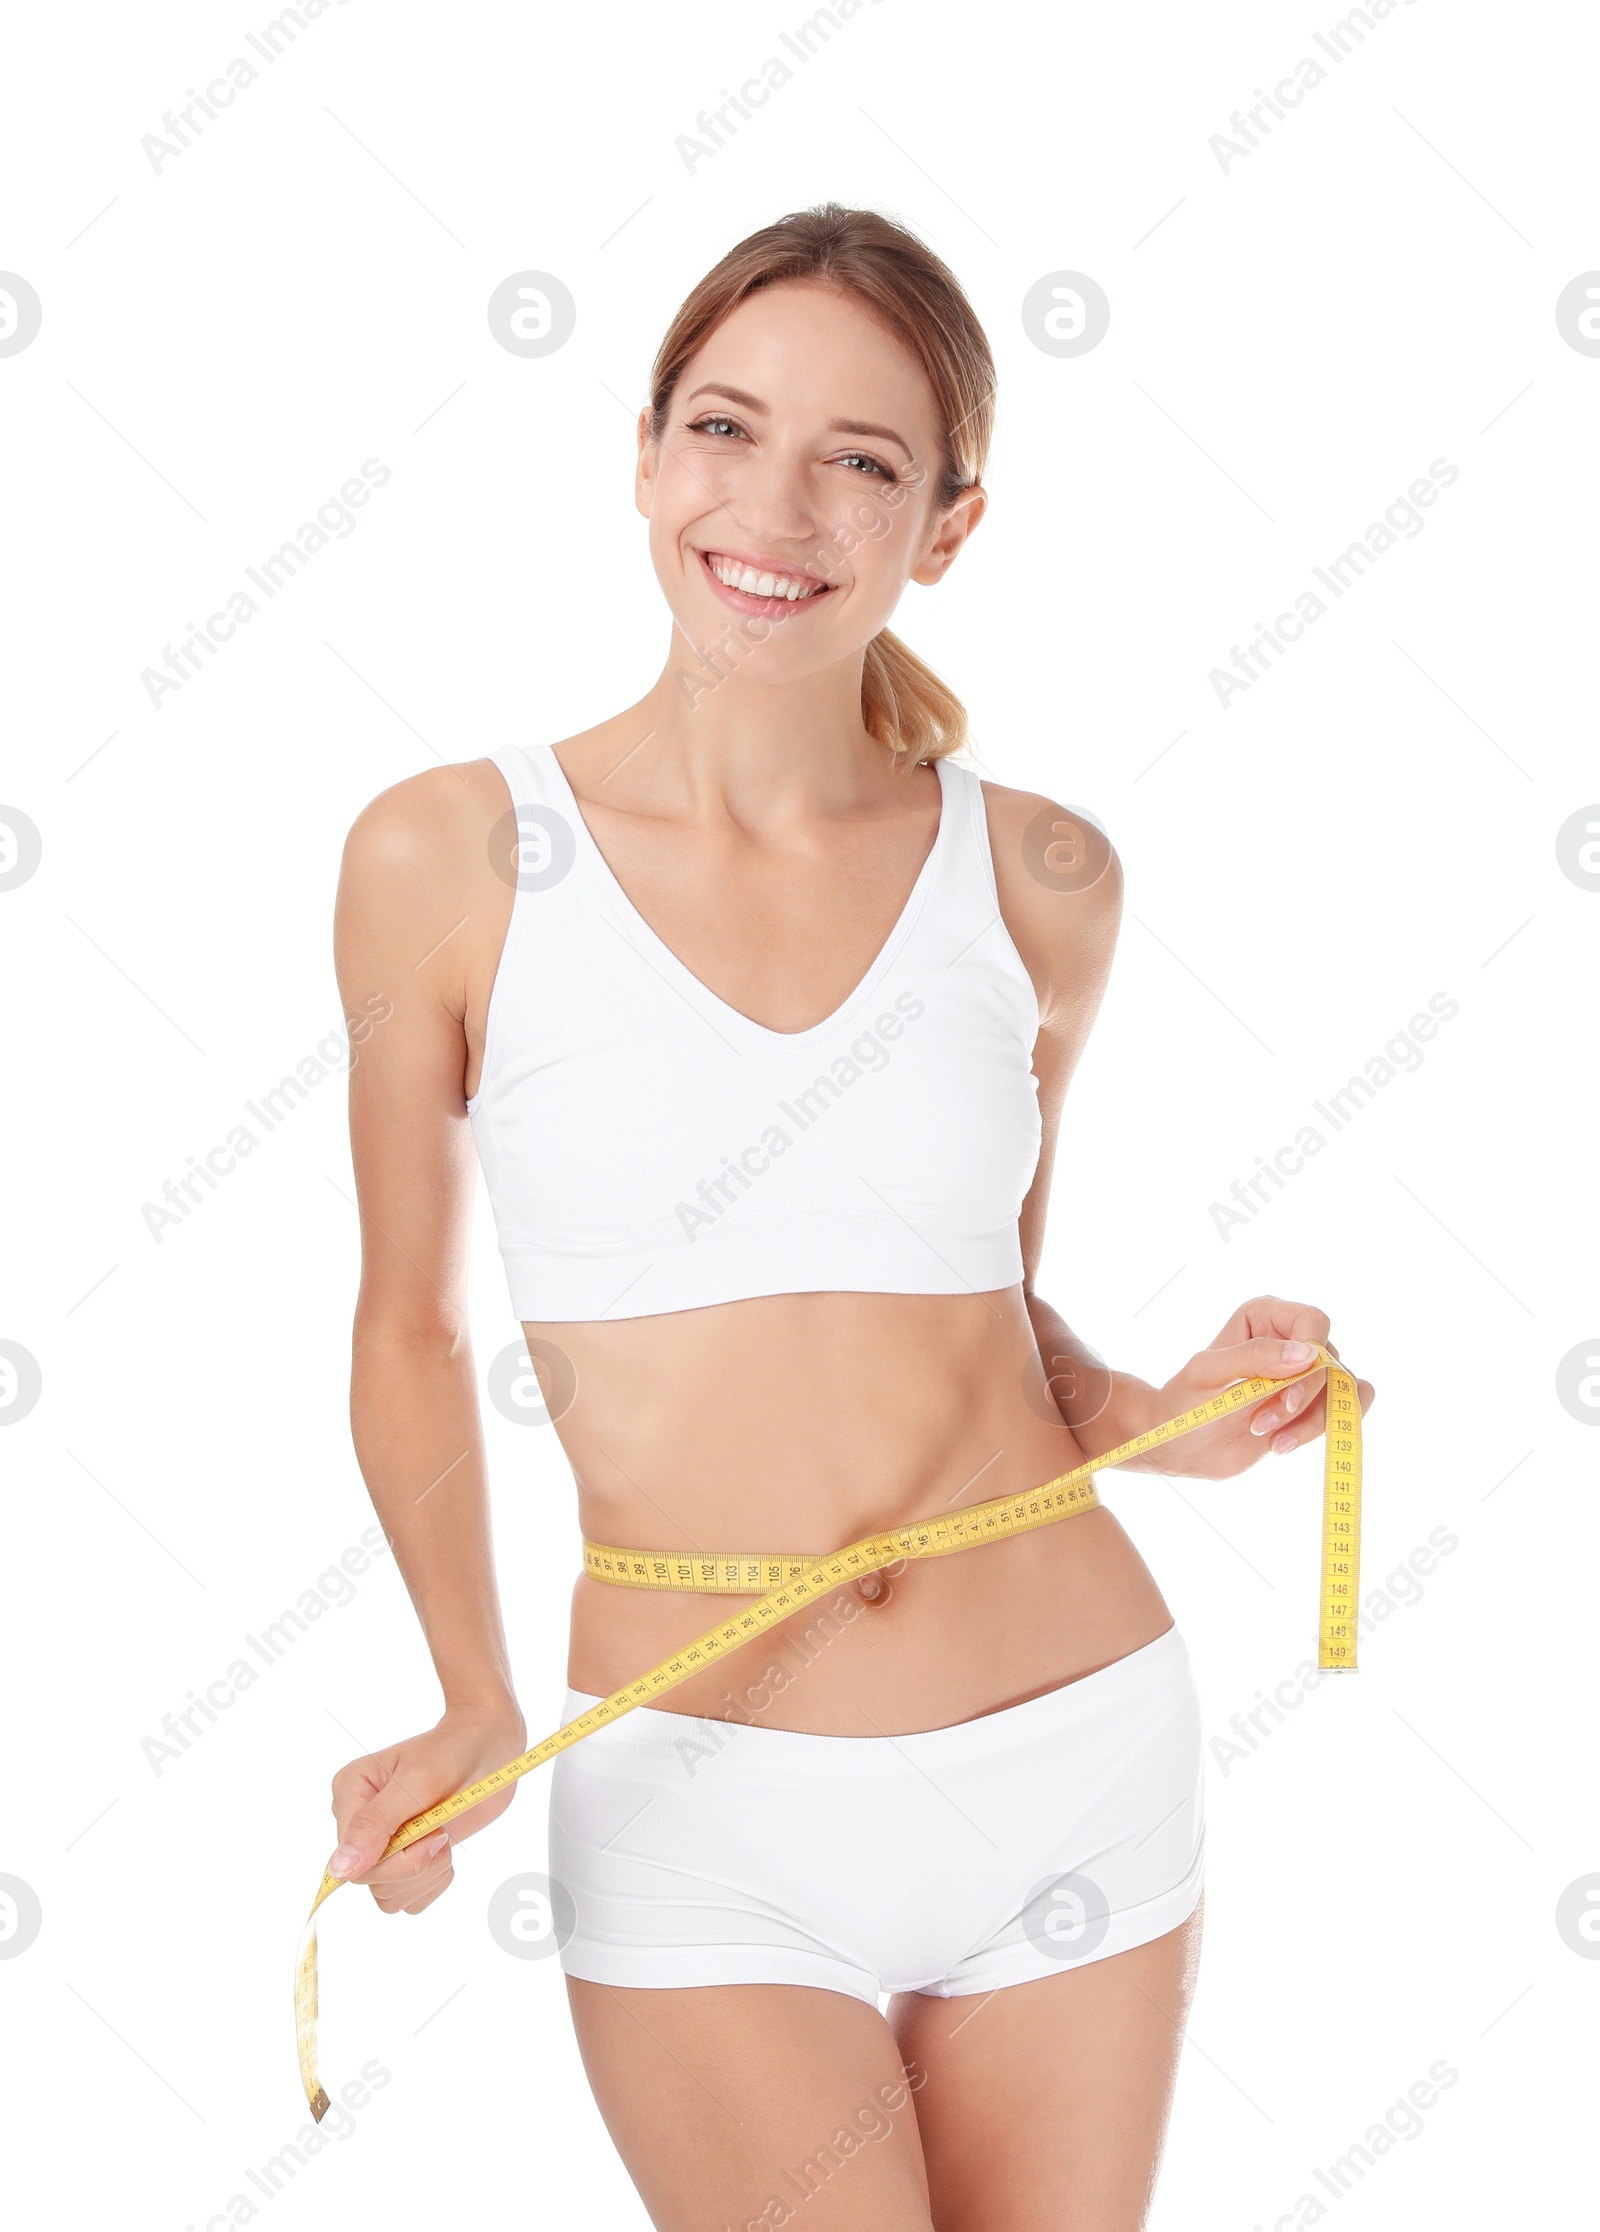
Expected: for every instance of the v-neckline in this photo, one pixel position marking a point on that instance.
(684, 977)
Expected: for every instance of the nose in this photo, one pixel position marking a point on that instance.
(774, 505)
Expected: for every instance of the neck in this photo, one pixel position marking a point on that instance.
(762, 750)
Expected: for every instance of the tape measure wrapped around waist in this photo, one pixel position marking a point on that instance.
(786, 1582)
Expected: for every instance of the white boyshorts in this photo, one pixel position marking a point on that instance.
(951, 1861)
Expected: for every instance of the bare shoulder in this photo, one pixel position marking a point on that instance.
(1059, 880)
(427, 825)
(420, 901)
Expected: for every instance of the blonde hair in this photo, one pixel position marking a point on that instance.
(921, 303)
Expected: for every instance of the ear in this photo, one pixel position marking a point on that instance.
(949, 535)
(644, 479)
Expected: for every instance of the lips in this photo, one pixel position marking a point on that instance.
(752, 582)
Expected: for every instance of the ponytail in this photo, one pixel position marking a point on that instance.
(906, 706)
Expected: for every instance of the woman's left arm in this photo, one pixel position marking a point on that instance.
(1060, 886)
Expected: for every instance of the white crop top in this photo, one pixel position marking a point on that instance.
(649, 1148)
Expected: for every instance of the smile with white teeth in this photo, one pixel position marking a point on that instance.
(733, 575)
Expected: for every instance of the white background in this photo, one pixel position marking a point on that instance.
(1292, 341)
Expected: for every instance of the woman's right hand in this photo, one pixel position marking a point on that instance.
(372, 1797)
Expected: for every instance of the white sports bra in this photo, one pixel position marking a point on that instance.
(649, 1148)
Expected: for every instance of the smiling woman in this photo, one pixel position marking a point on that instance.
(764, 1065)
(873, 266)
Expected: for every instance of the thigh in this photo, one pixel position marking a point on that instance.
(755, 2105)
(1046, 2104)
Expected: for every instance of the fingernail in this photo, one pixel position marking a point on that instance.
(1298, 1352)
(345, 1859)
(1282, 1444)
(438, 1843)
(1262, 1423)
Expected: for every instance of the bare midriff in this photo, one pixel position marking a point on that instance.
(802, 1422)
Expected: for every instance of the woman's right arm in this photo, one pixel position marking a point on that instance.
(417, 905)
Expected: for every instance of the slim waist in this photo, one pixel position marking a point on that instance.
(762, 1572)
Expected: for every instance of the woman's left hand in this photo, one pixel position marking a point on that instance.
(1252, 1343)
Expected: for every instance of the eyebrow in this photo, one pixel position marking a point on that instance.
(835, 426)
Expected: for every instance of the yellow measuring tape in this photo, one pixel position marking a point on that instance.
(790, 1582)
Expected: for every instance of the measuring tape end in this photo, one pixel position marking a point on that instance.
(320, 2104)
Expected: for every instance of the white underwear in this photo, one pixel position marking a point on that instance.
(951, 1861)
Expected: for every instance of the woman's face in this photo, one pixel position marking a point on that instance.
(792, 495)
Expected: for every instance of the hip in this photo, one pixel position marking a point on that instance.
(1069, 1827)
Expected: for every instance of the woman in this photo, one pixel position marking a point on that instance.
(762, 1011)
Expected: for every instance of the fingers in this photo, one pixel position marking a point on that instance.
(369, 1850)
(1305, 1324)
(1269, 1316)
(371, 1800)
(402, 1888)
(1300, 1400)
(366, 1828)
(409, 1880)
(1310, 1417)
(1260, 1358)
(376, 1796)
(1269, 1338)
(1300, 1410)
(1306, 1403)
